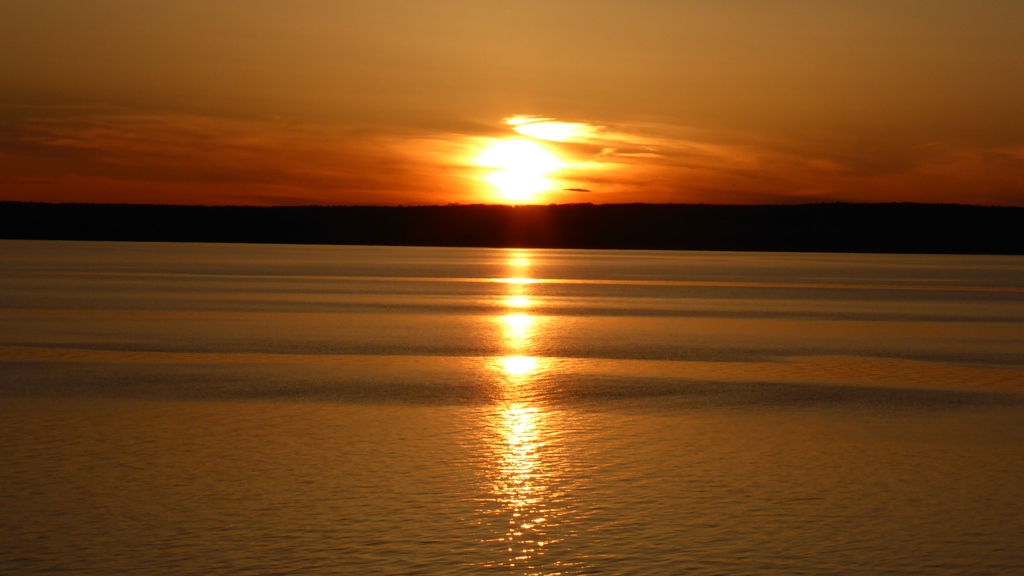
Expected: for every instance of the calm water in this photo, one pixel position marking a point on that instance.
(192, 409)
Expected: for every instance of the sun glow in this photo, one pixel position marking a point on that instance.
(519, 168)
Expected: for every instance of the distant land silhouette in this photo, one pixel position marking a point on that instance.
(832, 227)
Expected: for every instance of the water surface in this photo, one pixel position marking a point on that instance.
(191, 408)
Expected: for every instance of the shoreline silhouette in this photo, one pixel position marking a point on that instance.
(825, 227)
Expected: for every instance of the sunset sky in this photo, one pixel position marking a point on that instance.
(535, 101)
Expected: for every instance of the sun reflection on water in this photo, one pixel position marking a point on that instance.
(521, 488)
(519, 365)
(524, 469)
(518, 301)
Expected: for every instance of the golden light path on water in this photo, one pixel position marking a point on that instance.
(524, 467)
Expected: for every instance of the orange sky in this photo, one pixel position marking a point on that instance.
(431, 102)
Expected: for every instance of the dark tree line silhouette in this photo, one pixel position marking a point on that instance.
(834, 227)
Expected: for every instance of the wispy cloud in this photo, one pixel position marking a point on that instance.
(106, 154)
(665, 163)
(219, 160)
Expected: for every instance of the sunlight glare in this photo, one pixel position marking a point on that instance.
(518, 302)
(518, 321)
(518, 185)
(518, 365)
(519, 260)
(518, 332)
(519, 168)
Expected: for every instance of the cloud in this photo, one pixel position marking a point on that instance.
(109, 155)
(553, 130)
(651, 162)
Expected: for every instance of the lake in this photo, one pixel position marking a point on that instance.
(271, 409)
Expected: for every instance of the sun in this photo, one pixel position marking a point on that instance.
(519, 168)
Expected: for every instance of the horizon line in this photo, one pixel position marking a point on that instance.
(481, 204)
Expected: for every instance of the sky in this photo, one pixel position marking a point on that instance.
(390, 102)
